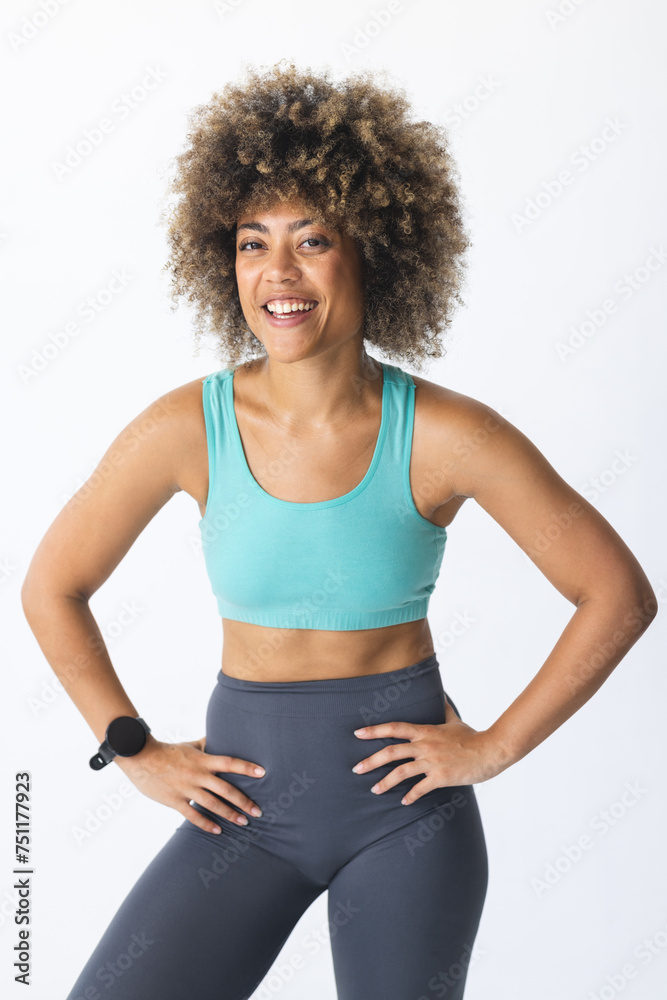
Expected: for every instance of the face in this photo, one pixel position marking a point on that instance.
(281, 256)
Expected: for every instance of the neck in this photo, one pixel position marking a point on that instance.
(320, 391)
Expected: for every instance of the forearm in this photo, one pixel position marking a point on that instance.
(595, 640)
(72, 643)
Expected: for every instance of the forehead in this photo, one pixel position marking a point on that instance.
(290, 215)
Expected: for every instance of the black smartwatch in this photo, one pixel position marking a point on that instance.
(125, 736)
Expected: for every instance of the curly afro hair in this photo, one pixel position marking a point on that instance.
(351, 152)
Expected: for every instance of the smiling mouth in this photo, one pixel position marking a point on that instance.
(292, 312)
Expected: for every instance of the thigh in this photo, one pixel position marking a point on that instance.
(206, 919)
(404, 911)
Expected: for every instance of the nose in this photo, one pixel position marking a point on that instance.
(281, 263)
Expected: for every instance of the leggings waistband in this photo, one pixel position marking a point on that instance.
(337, 695)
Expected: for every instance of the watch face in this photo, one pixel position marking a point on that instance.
(126, 736)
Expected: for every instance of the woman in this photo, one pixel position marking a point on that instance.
(317, 219)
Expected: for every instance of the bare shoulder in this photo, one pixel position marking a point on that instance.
(188, 436)
(185, 402)
(177, 416)
(437, 400)
(450, 428)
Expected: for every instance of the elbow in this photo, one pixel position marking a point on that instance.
(36, 596)
(647, 604)
(640, 608)
(27, 594)
(631, 602)
(32, 598)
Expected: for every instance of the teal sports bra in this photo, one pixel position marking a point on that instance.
(366, 559)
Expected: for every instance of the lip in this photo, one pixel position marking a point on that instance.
(293, 319)
(283, 296)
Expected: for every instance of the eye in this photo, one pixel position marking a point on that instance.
(308, 239)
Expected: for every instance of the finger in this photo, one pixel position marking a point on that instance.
(199, 820)
(395, 751)
(416, 792)
(406, 730)
(211, 802)
(234, 794)
(234, 765)
(400, 773)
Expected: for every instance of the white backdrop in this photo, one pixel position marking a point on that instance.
(562, 332)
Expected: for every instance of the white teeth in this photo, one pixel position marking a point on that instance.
(281, 308)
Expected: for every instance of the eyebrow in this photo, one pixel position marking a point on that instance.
(259, 227)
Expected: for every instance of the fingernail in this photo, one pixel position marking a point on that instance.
(216, 829)
(256, 811)
(359, 732)
(357, 768)
(374, 788)
(259, 770)
(243, 820)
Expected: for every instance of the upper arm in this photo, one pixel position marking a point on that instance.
(492, 461)
(136, 476)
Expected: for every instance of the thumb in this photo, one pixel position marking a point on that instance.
(197, 744)
(450, 714)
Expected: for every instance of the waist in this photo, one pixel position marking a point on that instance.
(335, 695)
(261, 653)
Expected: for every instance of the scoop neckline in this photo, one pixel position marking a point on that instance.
(317, 504)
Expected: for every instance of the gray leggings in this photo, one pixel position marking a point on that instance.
(406, 884)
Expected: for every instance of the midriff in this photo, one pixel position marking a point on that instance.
(261, 653)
